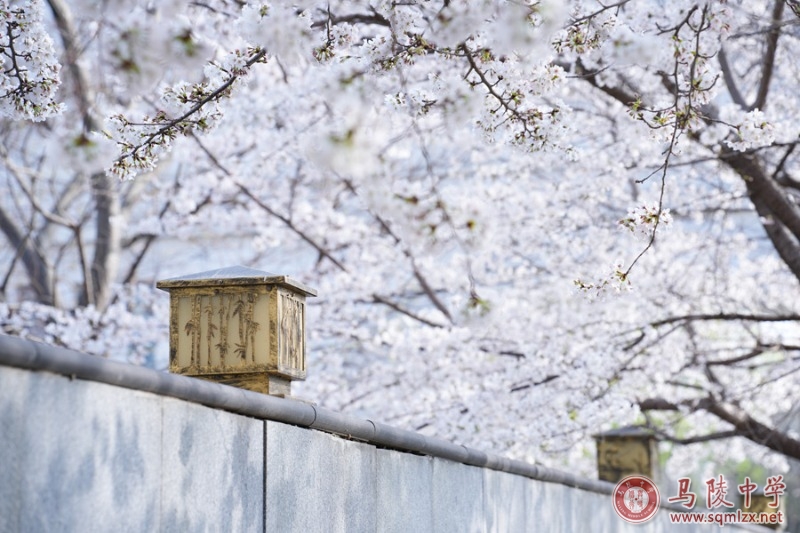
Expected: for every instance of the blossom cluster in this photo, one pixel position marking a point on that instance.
(29, 68)
(133, 329)
(644, 220)
(753, 132)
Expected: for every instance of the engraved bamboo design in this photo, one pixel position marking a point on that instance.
(252, 326)
(192, 328)
(238, 310)
(215, 314)
(212, 328)
(224, 319)
(291, 332)
(247, 327)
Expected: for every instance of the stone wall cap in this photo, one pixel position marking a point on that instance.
(235, 275)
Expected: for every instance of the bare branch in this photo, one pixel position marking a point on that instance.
(525, 386)
(300, 233)
(767, 67)
(779, 216)
(507, 353)
(603, 9)
(751, 429)
(427, 289)
(657, 404)
(88, 295)
(374, 18)
(726, 316)
(744, 425)
(82, 92)
(779, 175)
(400, 309)
(730, 83)
(738, 359)
(16, 171)
(105, 260)
(106, 246)
(145, 248)
(794, 5)
(423, 282)
(719, 435)
(36, 266)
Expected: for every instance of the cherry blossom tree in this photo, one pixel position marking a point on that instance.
(527, 221)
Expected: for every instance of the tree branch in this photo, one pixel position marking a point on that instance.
(657, 404)
(525, 386)
(168, 127)
(17, 172)
(603, 9)
(749, 428)
(300, 233)
(744, 425)
(149, 239)
(36, 267)
(509, 353)
(400, 309)
(726, 316)
(767, 67)
(105, 260)
(88, 295)
(738, 359)
(374, 18)
(730, 83)
(423, 283)
(66, 29)
(778, 214)
(507, 102)
(719, 435)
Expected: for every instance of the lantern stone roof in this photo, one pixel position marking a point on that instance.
(626, 431)
(234, 275)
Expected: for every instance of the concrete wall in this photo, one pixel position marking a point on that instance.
(81, 456)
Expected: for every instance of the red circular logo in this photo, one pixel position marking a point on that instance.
(636, 499)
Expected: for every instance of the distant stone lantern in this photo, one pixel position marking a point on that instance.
(624, 452)
(238, 326)
(760, 503)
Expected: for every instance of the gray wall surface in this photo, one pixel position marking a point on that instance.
(81, 456)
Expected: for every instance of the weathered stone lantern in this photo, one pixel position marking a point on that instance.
(238, 326)
(760, 503)
(624, 452)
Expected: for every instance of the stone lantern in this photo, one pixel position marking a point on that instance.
(760, 503)
(238, 326)
(624, 452)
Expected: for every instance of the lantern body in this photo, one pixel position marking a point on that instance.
(238, 326)
(760, 503)
(625, 452)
